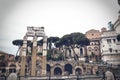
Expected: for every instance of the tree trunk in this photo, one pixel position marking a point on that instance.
(75, 55)
(18, 50)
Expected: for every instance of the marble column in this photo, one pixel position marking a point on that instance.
(44, 55)
(23, 56)
(34, 51)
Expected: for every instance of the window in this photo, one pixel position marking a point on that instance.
(108, 41)
(81, 51)
(96, 48)
(92, 34)
(92, 43)
(95, 43)
(116, 51)
(89, 49)
(70, 52)
(110, 49)
(114, 40)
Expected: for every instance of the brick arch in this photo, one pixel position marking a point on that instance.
(58, 71)
(57, 66)
(50, 64)
(89, 48)
(68, 68)
(71, 63)
(12, 67)
(96, 48)
(78, 71)
(78, 67)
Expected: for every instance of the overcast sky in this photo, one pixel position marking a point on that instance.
(59, 17)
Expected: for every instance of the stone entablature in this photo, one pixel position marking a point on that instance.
(109, 34)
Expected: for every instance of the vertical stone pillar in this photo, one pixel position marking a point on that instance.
(44, 55)
(23, 56)
(7, 71)
(34, 51)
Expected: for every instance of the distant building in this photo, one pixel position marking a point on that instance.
(93, 50)
(110, 46)
(7, 64)
(93, 34)
(117, 25)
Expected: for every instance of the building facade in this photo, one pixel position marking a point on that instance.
(93, 50)
(110, 45)
(109, 48)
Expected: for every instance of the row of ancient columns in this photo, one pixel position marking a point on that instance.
(33, 57)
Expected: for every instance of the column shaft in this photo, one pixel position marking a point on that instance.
(44, 61)
(23, 62)
(23, 56)
(34, 51)
(33, 69)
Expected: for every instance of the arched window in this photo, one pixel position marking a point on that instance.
(81, 52)
(68, 68)
(70, 52)
(57, 71)
(110, 49)
(48, 68)
(96, 48)
(78, 71)
(89, 49)
(12, 68)
(12, 65)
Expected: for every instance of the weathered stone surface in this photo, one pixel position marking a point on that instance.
(109, 75)
(12, 76)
